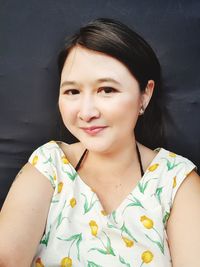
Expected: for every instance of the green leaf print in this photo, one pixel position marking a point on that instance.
(60, 217)
(124, 229)
(111, 226)
(166, 217)
(159, 244)
(49, 159)
(77, 246)
(158, 192)
(92, 264)
(134, 202)
(142, 186)
(171, 165)
(45, 239)
(71, 175)
(123, 261)
(113, 215)
(88, 206)
(108, 250)
(102, 251)
(75, 239)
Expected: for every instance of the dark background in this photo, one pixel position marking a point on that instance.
(32, 33)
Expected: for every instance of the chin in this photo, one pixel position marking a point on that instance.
(98, 146)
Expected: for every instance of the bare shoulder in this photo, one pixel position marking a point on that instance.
(73, 151)
(184, 222)
(190, 189)
(23, 216)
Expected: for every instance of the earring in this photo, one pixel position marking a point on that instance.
(142, 110)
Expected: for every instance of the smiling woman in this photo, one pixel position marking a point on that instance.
(108, 200)
(93, 101)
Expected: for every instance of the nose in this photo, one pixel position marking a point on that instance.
(88, 109)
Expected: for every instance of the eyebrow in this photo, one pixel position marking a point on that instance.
(101, 80)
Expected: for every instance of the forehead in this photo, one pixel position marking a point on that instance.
(81, 60)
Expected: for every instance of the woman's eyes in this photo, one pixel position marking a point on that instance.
(102, 90)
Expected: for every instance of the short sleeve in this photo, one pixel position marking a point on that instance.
(176, 169)
(43, 160)
(185, 168)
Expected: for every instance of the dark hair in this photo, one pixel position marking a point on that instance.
(113, 38)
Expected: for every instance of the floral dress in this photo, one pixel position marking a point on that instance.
(79, 232)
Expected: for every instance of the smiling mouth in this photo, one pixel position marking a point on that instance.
(93, 130)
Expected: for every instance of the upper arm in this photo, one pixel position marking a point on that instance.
(183, 227)
(23, 216)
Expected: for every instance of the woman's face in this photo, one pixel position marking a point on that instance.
(99, 100)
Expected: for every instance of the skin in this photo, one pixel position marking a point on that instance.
(109, 96)
(87, 101)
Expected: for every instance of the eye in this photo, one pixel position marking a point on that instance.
(107, 90)
(71, 92)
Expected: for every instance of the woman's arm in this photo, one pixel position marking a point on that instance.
(183, 227)
(23, 217)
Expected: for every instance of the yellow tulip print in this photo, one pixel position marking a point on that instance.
(72, 202)
(93, 227)
(35, 160)
(147, 222)
(65, 160)
(104, 213)
(153, 167)
(39, 263)
(128, 242)
(60, 186)
(147, 257)
(172, 155)
(75, 244)
(66, 262)
(174, 182)
(52, 142)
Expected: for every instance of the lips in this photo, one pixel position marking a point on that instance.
(93, 130)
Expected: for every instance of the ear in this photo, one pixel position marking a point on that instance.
(147, 94)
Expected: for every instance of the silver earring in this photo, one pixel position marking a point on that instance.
(142, 110)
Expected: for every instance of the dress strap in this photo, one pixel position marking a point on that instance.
(139, 159)
(138, 155)
(80, 160)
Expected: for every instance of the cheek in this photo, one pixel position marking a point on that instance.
(127, 114)
(68, 111)
(128, 108)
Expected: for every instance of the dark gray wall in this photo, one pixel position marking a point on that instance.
(32, 33)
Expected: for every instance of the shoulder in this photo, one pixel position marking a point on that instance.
(188, 195)
(72, 152)
(184, 221)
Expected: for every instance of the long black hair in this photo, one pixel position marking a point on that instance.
(115, 39)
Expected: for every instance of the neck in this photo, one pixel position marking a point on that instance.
(116, 162)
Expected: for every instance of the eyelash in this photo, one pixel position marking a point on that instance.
(105, 89)
(109, 90)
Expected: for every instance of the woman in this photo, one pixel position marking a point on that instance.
(108, 200)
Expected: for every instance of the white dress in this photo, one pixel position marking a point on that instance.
(79, 232)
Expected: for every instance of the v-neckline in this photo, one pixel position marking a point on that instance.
(89, 189)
